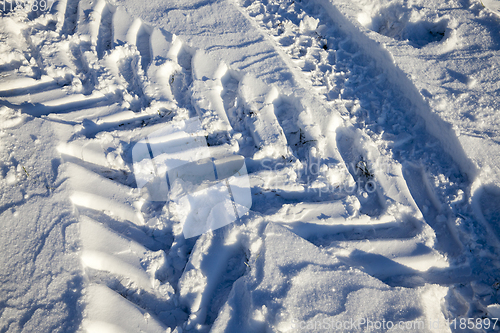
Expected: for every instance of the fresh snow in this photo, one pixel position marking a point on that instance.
(250, 166)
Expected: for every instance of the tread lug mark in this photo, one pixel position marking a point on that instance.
(139, 34)
(143, 44)
(230, 98)
(262, 123)
(121, 25)
(247, 100)
(70, 18)
(104, 250)
(328, 70)
(206, 91)
(93, 191)
(351, 149)
(105, 31)
(124, 62)
(26, 85)
(433, 211)
(297, 126)
(181, 77)
(163, 67)
(108, 311)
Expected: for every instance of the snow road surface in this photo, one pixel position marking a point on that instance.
(249, 166)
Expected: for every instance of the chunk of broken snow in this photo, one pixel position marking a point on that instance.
(308, 24)
(10, 118)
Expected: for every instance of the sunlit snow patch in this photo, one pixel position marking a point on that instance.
(493, 5)
(175, 164)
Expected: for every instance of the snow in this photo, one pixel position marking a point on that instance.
(251, 166)
(298, 278)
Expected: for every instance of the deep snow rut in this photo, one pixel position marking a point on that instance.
(352, 182)
(333, 64)
(383, 131)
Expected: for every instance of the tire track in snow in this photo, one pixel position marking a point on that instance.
(129, 258)
(341, 72)
(148, 262)
(129, 247)
(336, 69)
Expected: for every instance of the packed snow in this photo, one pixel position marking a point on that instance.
(250, 166)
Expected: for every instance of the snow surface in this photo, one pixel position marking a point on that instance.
(250, 166)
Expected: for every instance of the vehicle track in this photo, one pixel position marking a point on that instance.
(385, 119)
(372, 202)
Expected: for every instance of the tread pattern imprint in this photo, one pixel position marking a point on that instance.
(336, 171)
